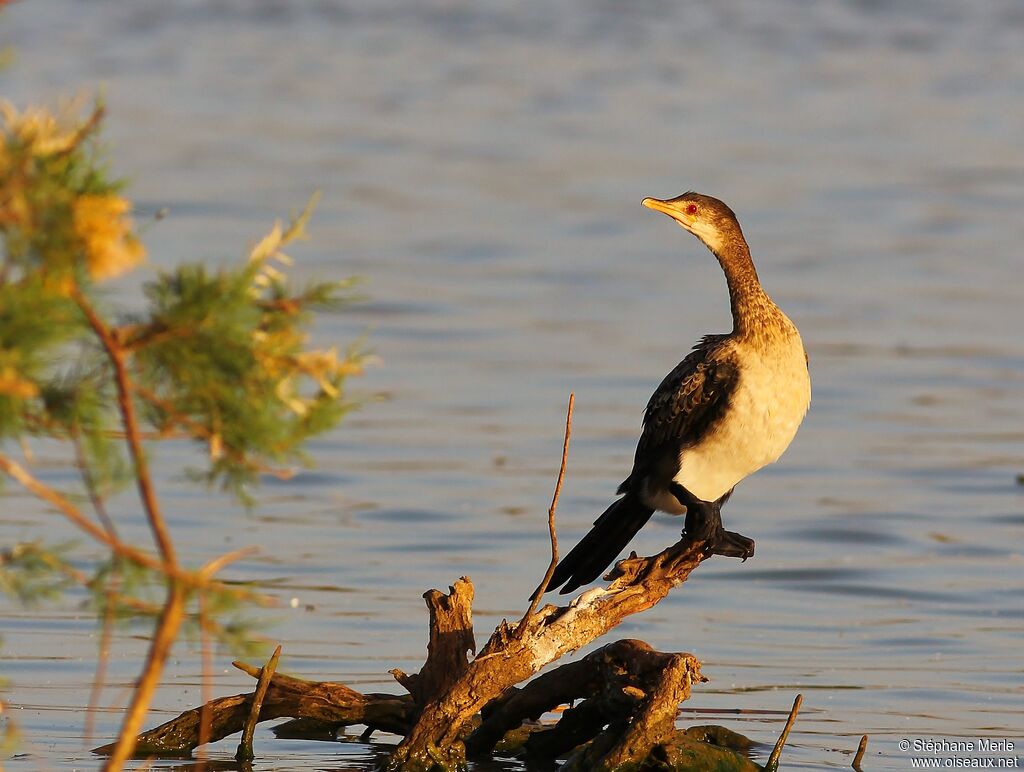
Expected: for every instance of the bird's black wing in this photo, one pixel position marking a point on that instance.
(682, 409)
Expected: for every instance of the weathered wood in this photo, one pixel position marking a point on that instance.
(628, 743)
(451, 637)
(568, 683)
(858, 757)
(508, 658)
(615, 676)
(244, 752)
(629, 701)
(286, 697)
(578, 725)
(773, 759)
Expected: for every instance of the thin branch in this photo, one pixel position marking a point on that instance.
(212, 567)
(163, 637)
(196, 430)
(100, 674)
(206, 687)
(861, 750)
(122, 549)
(166, 632)
(206, 652)
(15, 470)
(773, 760)
(126, 404)
(90, 483)
(41, 423)
(543, 586)
(139, 336)
(90, 125)
(99, 507)
(244, 752)
(115, 599)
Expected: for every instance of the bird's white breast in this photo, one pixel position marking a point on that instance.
(771, 396)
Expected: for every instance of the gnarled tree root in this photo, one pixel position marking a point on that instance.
(622, 680)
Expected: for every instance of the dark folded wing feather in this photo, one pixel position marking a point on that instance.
(685, 406)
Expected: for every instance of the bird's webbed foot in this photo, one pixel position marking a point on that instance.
(704, 523)
(732, 545)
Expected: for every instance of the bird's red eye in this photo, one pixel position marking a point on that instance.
(691, 209)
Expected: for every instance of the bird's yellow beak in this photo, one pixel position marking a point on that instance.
(659, 206)
(670, 208)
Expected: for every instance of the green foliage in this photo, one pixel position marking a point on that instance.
(32, 573)
(219, 357)
(34, 325)
(62, 220)
(79, 404)
(223, 357)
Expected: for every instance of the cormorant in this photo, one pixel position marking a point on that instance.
(729, 408)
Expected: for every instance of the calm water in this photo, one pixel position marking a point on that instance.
(482, 166)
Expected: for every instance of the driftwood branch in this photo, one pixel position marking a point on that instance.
(286, 697)
(862, 748)
(450, 689)
(244, 752)
(510, 657)
(451, 637)
(773, 759)
(626, 694)
(625, 679)
(630, 742)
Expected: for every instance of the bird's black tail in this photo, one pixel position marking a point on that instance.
(611, 533)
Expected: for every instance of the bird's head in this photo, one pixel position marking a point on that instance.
(705, 217)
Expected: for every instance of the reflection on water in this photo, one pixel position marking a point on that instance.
(482, 166)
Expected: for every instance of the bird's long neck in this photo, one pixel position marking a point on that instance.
(752, 309)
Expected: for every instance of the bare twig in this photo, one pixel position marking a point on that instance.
(15, 470)
(244, 752)
(122, 549)
(206, 655)
(543, 586)
(100, 674)
(861, 750)
(126, 404)
(195, 430)
(90, 483)
(163, 637)
(773, 760)
(166, 631)
(90, 125)
(99, 507)
(213, 566)
(205, 687)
